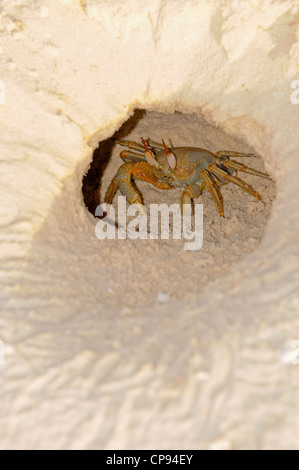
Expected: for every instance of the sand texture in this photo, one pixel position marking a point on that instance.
(122, 344)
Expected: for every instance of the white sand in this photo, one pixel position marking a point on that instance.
(138, 344)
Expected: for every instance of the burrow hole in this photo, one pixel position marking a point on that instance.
(157, 270)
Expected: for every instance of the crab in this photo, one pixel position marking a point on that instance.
(191, 168)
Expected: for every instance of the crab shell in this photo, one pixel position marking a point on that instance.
(190, 162)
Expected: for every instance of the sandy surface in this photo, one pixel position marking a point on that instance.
(122, 345)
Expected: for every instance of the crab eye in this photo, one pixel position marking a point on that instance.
(171, 158)
(149, 155)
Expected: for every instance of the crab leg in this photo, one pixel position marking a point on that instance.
(128, 156)
(240, 167)
(188, 195)
(130, 144)
(154, 144)
(111, 191)
(230, 153)
(233, 179)
(122, 177)
(213, 189)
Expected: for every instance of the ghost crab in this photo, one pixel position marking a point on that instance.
(191, 168)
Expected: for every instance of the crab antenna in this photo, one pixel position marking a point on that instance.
(171, 158)
(150, 157)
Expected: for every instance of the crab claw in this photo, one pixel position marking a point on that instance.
(171, 158)
(150, 157)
